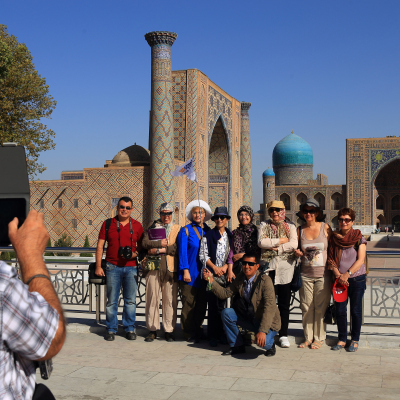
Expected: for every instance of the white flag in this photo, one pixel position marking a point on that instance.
(185, 169)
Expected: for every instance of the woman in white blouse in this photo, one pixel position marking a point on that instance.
(277, 239)
(216, 253)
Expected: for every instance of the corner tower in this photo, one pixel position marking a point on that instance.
(245, 155)
(268, 189)
(161, 140)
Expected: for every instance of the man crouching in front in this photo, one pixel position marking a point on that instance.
(253, 307)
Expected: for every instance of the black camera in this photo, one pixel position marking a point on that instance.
(125, 252)
(14, 188)
(45, 367)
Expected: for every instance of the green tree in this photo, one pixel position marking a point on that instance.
(49, 253)
(87, 244)
(64, 241)
(24, 102)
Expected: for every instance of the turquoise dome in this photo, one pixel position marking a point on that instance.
(292, 150)
(268, 172)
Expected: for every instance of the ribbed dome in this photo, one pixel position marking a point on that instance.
(268, 172)
(132, 156)
(292, 150)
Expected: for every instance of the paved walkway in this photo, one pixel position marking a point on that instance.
(90, 368)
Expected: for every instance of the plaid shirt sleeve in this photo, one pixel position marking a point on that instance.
(29, 323)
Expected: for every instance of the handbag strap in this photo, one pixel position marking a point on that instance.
(299, 238)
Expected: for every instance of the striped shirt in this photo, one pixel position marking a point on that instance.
(28, 325)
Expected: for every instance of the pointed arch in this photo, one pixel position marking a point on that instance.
(320, 199)
(286, 200)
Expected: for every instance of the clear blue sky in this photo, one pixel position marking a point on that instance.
(329, 70)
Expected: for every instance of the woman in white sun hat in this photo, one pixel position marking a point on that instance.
(193, 288)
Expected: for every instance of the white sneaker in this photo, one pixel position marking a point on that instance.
(284, 342)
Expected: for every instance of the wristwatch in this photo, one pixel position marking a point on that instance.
(158, 251)
(349, 272)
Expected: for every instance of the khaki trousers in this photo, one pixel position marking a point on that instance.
(169, 291)
(315, 294)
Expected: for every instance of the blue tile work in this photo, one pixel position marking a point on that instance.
(179, 105)
(219, 106)
(293, 174)
(162, 132)
(381, 157)
(245, 154)
(292, 150)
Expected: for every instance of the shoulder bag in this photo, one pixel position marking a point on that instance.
(296, 281)
(93, 278)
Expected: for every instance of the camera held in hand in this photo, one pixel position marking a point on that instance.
(125, 252)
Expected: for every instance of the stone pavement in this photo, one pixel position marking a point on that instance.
(90, 368)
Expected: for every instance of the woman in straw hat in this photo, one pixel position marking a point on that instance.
(278, 241)
(193, 288)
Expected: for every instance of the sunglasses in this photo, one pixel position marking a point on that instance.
(347, 220)
(165, 214)
(249, 263)
(312, 211)
(221, 217)
(272, 209)
(123, 208)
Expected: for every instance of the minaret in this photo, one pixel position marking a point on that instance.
(268, 189)
(161, 141)
(245, 155)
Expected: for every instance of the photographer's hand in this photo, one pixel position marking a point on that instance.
(29, 242)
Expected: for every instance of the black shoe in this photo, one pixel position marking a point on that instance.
(271, 352)
(151, 336)
(169, 337)
(109, 336)
(131, 335)
(191, 339)
(234, 350)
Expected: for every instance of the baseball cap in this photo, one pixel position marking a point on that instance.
(339, 292)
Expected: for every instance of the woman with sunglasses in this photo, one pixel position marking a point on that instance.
(244, 239)
(216, 254)
(315, 291)
(160, 270)
(278, 240)
(346, 256)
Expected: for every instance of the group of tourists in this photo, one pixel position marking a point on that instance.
(253, 266)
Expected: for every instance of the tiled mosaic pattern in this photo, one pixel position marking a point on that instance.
(365, 158)
(245, 154)
(293, 174)
(179, 104)
(217, 196)
(218, 163)
(162, 132)
(99, 187)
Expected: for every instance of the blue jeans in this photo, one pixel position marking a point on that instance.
(231, 320)
(355, 293)
(127, 278)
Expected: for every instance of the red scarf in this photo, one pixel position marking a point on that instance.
(338, 242)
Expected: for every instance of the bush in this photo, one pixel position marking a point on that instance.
(49, 245)
(64, 241)
(86, 244)
(7, 255)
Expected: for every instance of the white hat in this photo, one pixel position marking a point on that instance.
(197, 203)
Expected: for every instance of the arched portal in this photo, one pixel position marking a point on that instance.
(396, 223)
(286, 200)
(218, 168)
(387, 193)
(301, 199)
(321, 200)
